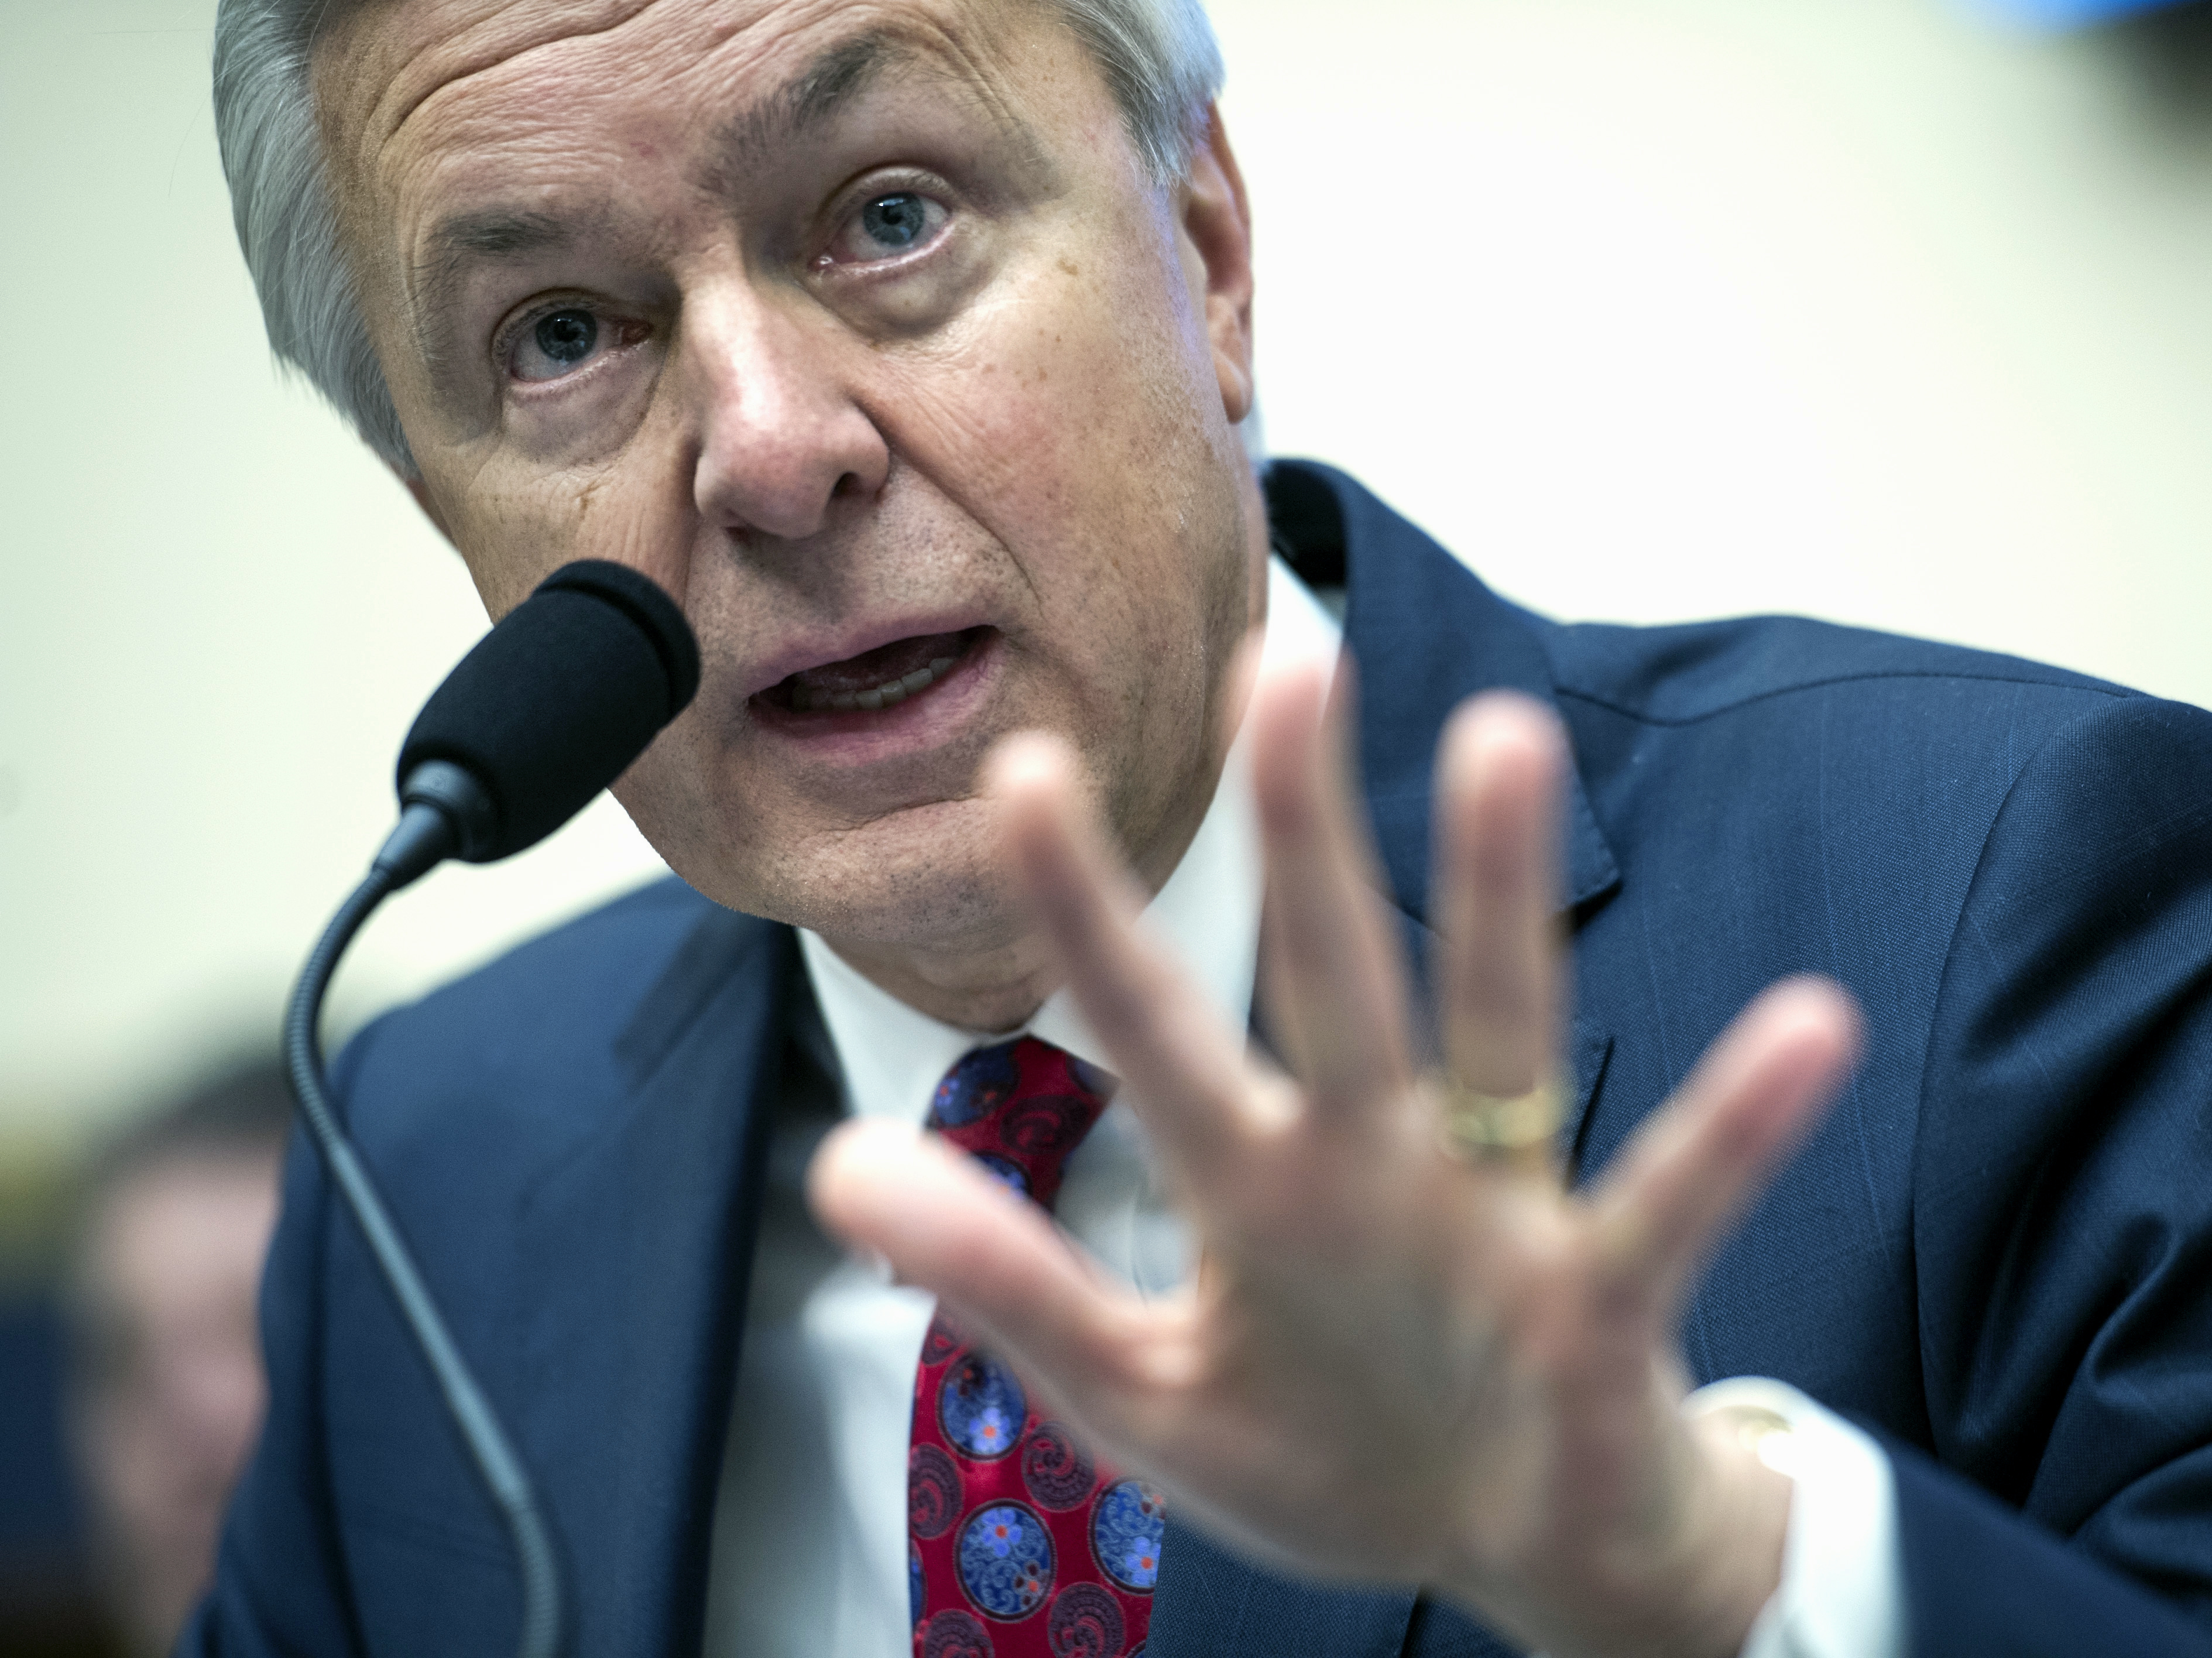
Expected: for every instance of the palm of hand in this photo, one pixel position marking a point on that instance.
(1395, 1364)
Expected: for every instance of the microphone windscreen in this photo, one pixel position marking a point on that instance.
(554, 703)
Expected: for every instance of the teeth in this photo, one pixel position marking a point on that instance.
(889, 694)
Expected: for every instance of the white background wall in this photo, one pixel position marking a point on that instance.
(1652, 309)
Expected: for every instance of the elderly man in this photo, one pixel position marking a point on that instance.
(908, 344)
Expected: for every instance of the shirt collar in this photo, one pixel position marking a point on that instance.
(893, 1056)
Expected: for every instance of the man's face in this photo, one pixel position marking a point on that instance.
(173, 1393)
(859, 328)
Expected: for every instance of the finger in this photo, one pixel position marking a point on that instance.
(1019, 1289)
(1334, 980)
(1696, 1166)
(1184, 1066)
(1500, 959)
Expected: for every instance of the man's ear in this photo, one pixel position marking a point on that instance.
(1217, 230)
(420, 491)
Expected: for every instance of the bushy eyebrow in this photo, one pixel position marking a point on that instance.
(497, 235)
(834, 79)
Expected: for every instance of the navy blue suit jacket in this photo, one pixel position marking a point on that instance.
(1996, 1252)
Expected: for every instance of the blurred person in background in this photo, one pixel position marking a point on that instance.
(166, 1389)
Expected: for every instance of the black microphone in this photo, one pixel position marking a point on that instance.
(551, 706)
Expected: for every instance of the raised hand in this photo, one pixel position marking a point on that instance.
(1405, 1357)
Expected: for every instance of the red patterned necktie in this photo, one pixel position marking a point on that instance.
(1020, 1544)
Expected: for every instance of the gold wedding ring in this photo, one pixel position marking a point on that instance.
(1506, 1129)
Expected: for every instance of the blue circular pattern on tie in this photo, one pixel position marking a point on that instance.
(1004, 1172)
(1125, 1534)
(917, 1590)
(974, 1087)
(1005, 1561)
(980, 1407)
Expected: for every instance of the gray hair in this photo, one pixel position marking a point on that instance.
(1158, 57)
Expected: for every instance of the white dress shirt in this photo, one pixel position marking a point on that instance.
(809, 1556)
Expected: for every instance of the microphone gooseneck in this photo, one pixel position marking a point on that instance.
(550, 707)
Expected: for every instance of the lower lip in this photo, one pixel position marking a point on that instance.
(919, 721)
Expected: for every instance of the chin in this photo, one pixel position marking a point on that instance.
(928, 878)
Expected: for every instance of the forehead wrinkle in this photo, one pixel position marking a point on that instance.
(834, 78)
(492, 54)
(415, 73)
(370, 82)
(418, 74)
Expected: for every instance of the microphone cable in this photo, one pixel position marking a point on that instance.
(550, 707)
(504, 1476)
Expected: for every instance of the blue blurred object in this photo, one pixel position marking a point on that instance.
(38, 1516)
(2064, 13)
(48, 1607)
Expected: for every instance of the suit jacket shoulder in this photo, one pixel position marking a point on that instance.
(571, 1141)
(1682, 674)
(1986, 1250)
(532, 1047)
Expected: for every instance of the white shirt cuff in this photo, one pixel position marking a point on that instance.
(1842, 1592)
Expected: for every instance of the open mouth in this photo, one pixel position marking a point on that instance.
(875, 679)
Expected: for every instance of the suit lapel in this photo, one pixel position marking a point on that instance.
(1427, 635)
(647, 1231)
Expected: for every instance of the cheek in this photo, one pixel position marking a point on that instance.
(652, 790)
(1078, 427)
(517, 525)
(668, 793)
(499, 541)
(1074, 412)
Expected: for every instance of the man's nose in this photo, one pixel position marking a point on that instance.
(783, 437)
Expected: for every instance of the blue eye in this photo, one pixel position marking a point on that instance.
(560, 342)
(896, 222)
(567, 337)
(885, 228)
